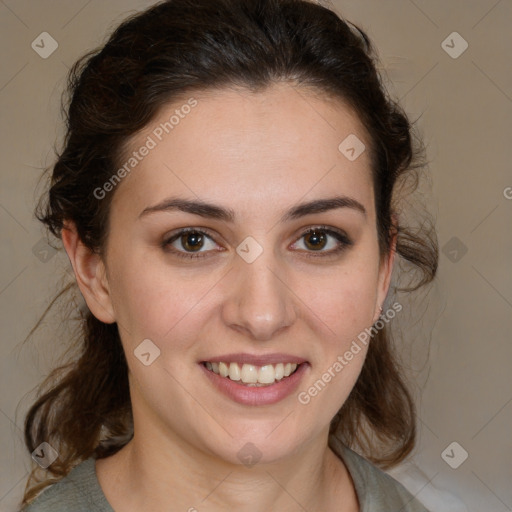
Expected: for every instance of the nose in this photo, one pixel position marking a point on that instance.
(260, 304)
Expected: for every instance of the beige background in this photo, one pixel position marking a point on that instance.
(464, 105)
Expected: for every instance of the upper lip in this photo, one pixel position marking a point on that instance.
(256, 360)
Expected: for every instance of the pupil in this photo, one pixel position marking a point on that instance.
(192, 241)
(318, 240)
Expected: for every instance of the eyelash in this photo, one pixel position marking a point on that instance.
(341, 237)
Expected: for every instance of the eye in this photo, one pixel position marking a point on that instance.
(187, 243)
(193, 243)
(324, 241)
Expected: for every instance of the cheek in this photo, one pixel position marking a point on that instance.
(342, 309)
(343, 301)
(151, 303)
(340, 315)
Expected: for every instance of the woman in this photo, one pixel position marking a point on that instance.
(228, 198)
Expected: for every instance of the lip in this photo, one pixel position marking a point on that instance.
(265, 395)
(256, 360)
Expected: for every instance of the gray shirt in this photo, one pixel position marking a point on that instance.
(377, 491)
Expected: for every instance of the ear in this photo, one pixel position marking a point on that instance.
(385, 272)
(90, 274)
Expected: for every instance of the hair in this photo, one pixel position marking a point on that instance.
(153, 57)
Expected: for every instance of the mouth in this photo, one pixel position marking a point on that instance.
(250, 375)
(266, 383)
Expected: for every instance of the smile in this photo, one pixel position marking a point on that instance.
(242, 383)
(252, 375)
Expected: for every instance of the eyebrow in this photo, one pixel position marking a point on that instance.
(208, 210)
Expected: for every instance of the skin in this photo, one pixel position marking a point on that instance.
(259, 154)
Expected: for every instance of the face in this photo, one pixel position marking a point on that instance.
(262, 276)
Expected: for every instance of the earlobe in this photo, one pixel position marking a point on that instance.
(90, 274)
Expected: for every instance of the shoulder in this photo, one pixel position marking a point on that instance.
(79, 491)
(376, 490)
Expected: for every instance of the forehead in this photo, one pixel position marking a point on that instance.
(249, 149)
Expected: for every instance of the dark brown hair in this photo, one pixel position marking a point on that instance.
(165, 52)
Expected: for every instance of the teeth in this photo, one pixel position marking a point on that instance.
(249, 374)
(223, 369)
(252, 375)
(266, 374)
(234, 371)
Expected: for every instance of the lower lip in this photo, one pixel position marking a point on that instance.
(254, 395)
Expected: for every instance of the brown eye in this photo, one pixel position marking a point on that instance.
(315, 240)
(192, 241)
(324, 241)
